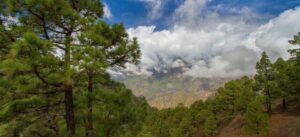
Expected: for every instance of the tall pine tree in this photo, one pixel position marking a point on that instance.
(60, 40)
(284, 85)
(256, 120)
(264, 77)
(296, 58)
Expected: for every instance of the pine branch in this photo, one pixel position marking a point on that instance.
(45, 27)
(35, 70)
(120, 59)
(39, 108)
(42, 93)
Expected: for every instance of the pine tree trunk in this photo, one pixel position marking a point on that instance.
(257, 129)
(90, 127)
(15, 134)
(69, 104)
(268, 102)
(69, 110)
(283, 104)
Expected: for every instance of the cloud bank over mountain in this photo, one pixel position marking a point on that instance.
(212, 45)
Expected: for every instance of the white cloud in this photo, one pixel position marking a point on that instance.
(107, 12)
(189, 11)
(273, 36)
(215, 46)
(178, 63)
(136, 70)
(155, 8)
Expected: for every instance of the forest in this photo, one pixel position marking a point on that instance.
(53, 80)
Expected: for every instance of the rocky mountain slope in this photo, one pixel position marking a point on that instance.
(169, 91)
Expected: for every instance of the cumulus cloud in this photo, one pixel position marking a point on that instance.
(273, 36)
(214, 46)
(189, 11)
(206, 50)
(107, 12)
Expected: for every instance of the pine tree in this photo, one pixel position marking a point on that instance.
(295, 53)
(284, 85)
(256, 119)
(210, 125)
(235, 95)
(58, 42)
(264, 78)
(246, 93)
(228, 96)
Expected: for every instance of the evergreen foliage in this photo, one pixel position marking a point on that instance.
(210, 125)
(55, 53)
(264, 79)
(256, 119)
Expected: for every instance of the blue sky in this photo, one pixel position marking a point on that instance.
(135, 13)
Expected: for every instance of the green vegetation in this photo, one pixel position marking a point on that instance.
(264, 78)
(210, 126)
(256, 118)
(50, 58)
(53, 80)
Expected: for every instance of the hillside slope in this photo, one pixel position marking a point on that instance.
(281, 124)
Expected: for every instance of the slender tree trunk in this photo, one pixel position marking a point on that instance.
(68, 88)
(69, 110)
(257, 129)
(268, 102)
(234, 103)
(267, 90)
(90, 128)
(283, 103)
(15, 134)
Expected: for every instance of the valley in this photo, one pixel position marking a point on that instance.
(169, 91)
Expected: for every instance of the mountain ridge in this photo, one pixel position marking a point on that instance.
(168, 91)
